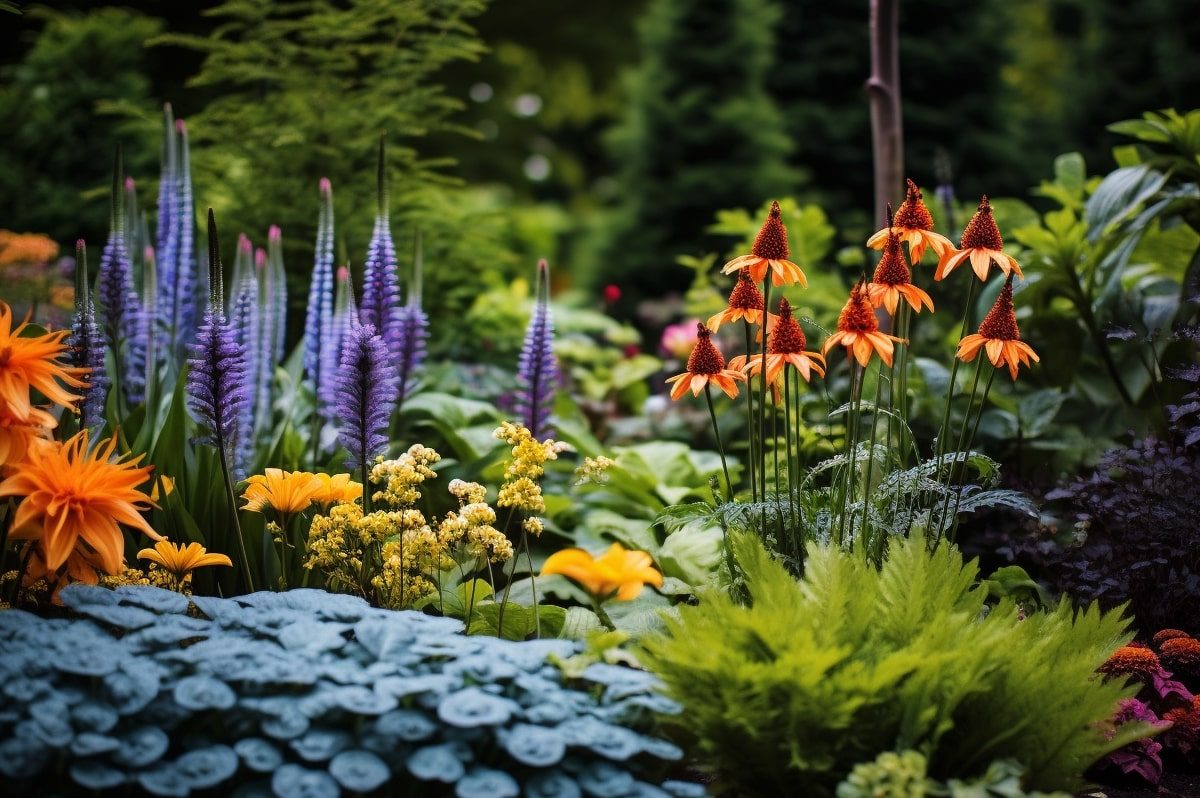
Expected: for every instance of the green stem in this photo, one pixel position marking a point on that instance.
(971, 442)
(871, 454)
(851, 445)
(233, 512)
(787, 434)
(712, 414)
(603, 616)
(750, 456)
(537, 618)
(950, 474)
(762, 399)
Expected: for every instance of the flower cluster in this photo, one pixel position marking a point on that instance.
(593, 470)
(473, 525)
(521, 489)
(402, 478)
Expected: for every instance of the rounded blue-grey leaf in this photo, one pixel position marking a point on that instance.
(308, 635)
(320, 745)
(286, 725)
(95, 775)
(437, 763)
(158, 599)
(406, 724)
(481, 668)
(95, 716)
(661, 748)
(142, 747)
(22, 758)
(91, 743)
(684, 789)
(96, 657)
(50, 723)
(548, 713)
(122, 617)
(204, 692)
(536, 746)
(78, 595)
(552, 784)
(473, 707)
(258, 754)
(604, 779)
(359, 771)
(606, 739)
(487, 783)
(207, 767)
(293, 781)
(363, 701)
(643, 790)
(164, 780)
(131, 692)
(254, 789)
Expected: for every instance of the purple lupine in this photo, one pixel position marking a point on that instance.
(146, 333)
(190, 278)
(413, 326)
(537, 373)
(245, 322)
(264, 349)
(217, 367)
(277, 291)
(366, 395)
(166, 232)
(86, 346)
(118, 301)
(381, 281)
(345, 317)
(320, 292)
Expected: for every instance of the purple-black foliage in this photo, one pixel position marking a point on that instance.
(537, 373)
(366, 394)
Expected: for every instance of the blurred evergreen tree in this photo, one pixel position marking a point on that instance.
(54, 145)
(701, 134)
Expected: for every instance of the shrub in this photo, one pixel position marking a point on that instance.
(306, 692)
(822, 674)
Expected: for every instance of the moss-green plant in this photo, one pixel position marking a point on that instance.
(815, 676)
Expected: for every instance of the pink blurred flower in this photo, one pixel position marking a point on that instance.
(612, 293)
(679, 339)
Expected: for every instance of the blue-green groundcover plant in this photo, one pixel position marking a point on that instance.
(309, 693)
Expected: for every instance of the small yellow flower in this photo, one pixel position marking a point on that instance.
(594, 469)
(168, 487)
(286, 492)
(618, 573)
(337, 489)
(179, 560)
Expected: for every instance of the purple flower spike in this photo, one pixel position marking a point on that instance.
(537, 373)
(216, 378)
(189, 277)
(366, 395)
(277, 290)
(246, 325)
(381, 281)
(166, 239)
(320, 292)
(413, 330)
(87, 345)
(345, 317)
(119, 303)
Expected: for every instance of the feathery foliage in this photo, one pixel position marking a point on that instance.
(820, 674)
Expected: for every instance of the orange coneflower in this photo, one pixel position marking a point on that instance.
(180, 561)
(893, 280)
(745, 302)
(770, 252)
(73, 497)
(981, 242)
(17, 436)
(33, 362)
(786, 347)
(706, 365)
(914, 224)
(998, 334)
(858, 330)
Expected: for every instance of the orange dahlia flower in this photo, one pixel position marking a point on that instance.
(998, 334)
(770, 252)
(705, 366)
(745, 302)
(17, 436)
(71, 496)
(786, 348)
(618, 573)
(179, 560)
(1131, 661)
(893, 280)
(33, 362)
(913, 224)
(982, 244)
(858, 330)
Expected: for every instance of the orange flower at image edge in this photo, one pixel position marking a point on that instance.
(705, 366)
(71, 496)
(618, 573)
(33, 362)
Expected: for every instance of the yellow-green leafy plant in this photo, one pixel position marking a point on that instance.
(812, 677)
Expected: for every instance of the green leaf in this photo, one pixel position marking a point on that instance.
(1038, 409)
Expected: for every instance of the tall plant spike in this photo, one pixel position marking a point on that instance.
(345, 318)
(320, 291)
(413, 329)
(118, 299)
(381, 281)
(264, 344)
(87, 345)
(166, 238)
(537, 373)
(278, 290)
(190, 276)
(246, 324)
(365, 396)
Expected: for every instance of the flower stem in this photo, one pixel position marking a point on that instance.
(233, 512)
(950, 474)
(603, 616)
(871, 458)
(750, 414)
(762, 399)
(944, 428)
(971, 442)
(851, 445)
(712, 414)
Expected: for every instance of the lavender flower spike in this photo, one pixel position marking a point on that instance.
(264, 343)
(366, 395)
(216, 379)
(118, 301)
(345, 317)
(414, 329)
(189, 273)
(320, 293)
(277, 290)
(86, 346)
(537, 373)
(381, 282)
(245, 324)
(166, 233)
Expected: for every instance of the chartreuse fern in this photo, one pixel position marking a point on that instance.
(818, 675)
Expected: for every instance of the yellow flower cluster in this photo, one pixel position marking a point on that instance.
(402, 478)
(594, 470)
(473, 525)
(402, 579)
(521, 490)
